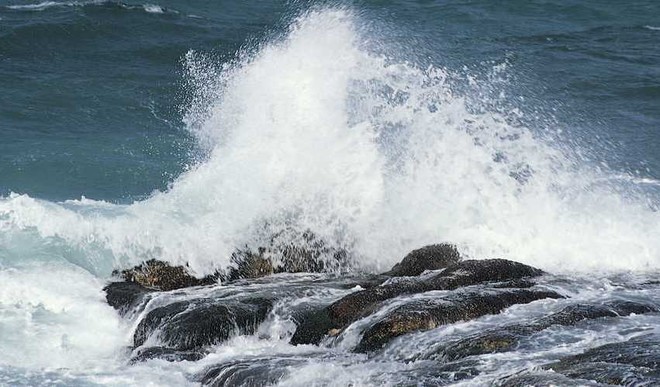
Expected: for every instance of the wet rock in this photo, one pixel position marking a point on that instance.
(313, 323)
(541, 379)
(250, 265)
(287, 252)
(430, 313)
(471, 272)
(507, 338)
(252, 372)
(125, 296)
(429, 374)
(432, 257)
(168, 354)
(159, 275)
(190, 325)
(634, 362)
(460, 274)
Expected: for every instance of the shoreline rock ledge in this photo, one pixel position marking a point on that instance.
(179, 317)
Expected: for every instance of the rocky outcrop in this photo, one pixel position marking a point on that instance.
(159, 275)
(432, 257)
(286, 252)
(254, 372)
(125, 296)
(431, 313)
(191, 325)
(507, 338)
(460, 274)
(634, 362)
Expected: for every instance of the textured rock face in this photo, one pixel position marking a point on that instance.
(429, 314)
(125, 296)
(507, 337)
(303, 253)
(460, 274)
(159, 275)
(191, 325)
(433, 257)
(367, 313)
(634, 362)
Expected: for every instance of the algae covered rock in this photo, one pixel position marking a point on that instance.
(159, 275)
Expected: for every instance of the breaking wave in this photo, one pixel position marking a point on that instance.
(317, 131)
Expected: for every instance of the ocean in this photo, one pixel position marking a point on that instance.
(184, 130)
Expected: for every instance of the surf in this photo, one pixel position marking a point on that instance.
(315, 130)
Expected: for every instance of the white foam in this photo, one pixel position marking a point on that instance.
(50, 4)
(55, 316)
(652, 28)
(153, 8)
(316, 132)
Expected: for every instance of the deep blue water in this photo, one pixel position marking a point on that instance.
(93, 92)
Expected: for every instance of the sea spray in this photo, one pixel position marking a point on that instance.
(374, 155)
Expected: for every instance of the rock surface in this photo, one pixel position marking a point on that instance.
(432, 257)
(431, 313)
(191, 325)
(391, 316)
(159, 275)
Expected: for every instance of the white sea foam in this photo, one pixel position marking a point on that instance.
(652, 28)
(50, 4)
(153, 8)
(376, 155)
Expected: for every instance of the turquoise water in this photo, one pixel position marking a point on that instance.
(93, 92)
(183, 130)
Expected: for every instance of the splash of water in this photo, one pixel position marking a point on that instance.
(314, 131)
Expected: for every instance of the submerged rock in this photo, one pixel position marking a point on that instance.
(430, 313)
(168, 354)
(252, 372)
(507, 338)
(634, 362)
(542, 379)
(159, 275)
(432, 257)
(191, 325)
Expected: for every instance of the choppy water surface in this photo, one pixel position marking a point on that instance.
(184, 130)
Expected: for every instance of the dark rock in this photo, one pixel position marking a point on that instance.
(489, 342)
(541, 379)
(168, 354)
(464, 273)
(471, 272)
(431, 257)
(634, 362)
(254, 372)
(190, 325)
(313, 324)
(364, 302)
(250, 265)
(506, 338)
(160, 275)
(287, 252)
(431, 313)
(429, 374)
(124, 296)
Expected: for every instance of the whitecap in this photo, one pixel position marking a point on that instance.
(153, 8)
